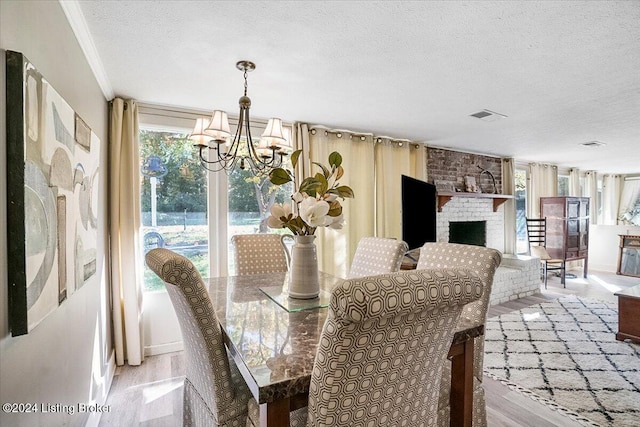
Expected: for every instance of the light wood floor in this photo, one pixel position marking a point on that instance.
(151, 394)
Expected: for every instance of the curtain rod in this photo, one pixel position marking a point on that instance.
(376, 139)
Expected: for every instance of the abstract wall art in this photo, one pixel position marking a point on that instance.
(52, 197)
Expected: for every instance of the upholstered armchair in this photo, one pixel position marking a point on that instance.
(215, 393)
(484, 262)
(377, 255)
(383, 348)
(258, 253)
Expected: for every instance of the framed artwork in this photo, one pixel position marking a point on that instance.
(444, 186)
(52, 196)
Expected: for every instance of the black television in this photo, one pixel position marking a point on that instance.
(418, 212)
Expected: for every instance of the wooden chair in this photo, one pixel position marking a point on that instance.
(537, 237)
(382, 349)
(484, 262)
(258, 254)
(215, 393)
(377, 255)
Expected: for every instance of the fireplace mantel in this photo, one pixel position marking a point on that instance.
(498, 199)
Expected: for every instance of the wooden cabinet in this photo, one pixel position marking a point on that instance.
(567, 227)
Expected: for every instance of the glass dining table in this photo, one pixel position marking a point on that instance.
(273, 340)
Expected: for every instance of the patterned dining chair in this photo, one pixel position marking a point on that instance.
(258, 254)
(377, 255)
(382, 349)
(483, 261)
(215, 393)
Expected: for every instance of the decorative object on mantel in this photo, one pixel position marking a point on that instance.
(212, 137)
(316, 205)
(444, 186)
(493, 180)
(470, 185)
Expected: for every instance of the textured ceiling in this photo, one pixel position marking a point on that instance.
(564, 72)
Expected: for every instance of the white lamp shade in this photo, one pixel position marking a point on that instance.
(274, 130)
(219, 125)
(198, 135)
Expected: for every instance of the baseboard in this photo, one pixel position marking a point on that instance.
(94, 417)
(154, 350)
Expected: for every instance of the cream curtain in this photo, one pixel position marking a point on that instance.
(124, 212)
(574, 182)
(629, 213)
(336, 247)
(392, 160)
(509, 188)
(611, 193)
(590, 190)
(543, 182)
(418, 153)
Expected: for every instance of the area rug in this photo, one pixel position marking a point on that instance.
(564, 354)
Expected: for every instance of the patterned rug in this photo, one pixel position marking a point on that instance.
(564, 354)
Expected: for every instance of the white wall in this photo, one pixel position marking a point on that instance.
(604, 244)
(65, 359)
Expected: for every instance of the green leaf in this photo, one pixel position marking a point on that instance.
(335, 159)
(294, 157)
(335, 209)
(327, 172)
(279, 176)
(345, 192)
(310, 186)
(324, 185)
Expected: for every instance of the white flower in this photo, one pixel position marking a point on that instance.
(337, 222)
(314, 212)
(330, 197)
(298, 197)
(278, 211)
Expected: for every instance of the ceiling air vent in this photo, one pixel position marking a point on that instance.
(593, 144)
(488, 115)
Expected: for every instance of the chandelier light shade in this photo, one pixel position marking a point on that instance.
(218, 152)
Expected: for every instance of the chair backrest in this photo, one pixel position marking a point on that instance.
(383, 346)
(258, 254)
(536, 232)
(482, 260)
(207, 363)
(377, 255)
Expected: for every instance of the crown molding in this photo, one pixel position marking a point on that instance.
(78, 24)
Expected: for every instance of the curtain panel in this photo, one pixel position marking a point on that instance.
(590, 190)
(373, 169)
(509, 188)
(336, 247)
(574, 182)
(543, 182)
(629, 210)
(125, 250)
(392, 160)
(611, 194)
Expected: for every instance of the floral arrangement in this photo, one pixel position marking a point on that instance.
(315, 202)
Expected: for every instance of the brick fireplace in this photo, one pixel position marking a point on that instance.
(461, 208)
(518, 276)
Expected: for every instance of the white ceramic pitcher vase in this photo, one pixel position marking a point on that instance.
(303, 267)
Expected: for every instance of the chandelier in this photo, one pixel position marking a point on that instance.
(217, 151)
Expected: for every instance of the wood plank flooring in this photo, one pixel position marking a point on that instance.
(151, 394)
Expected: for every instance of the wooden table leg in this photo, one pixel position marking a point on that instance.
(461, 396)
(275, 413)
